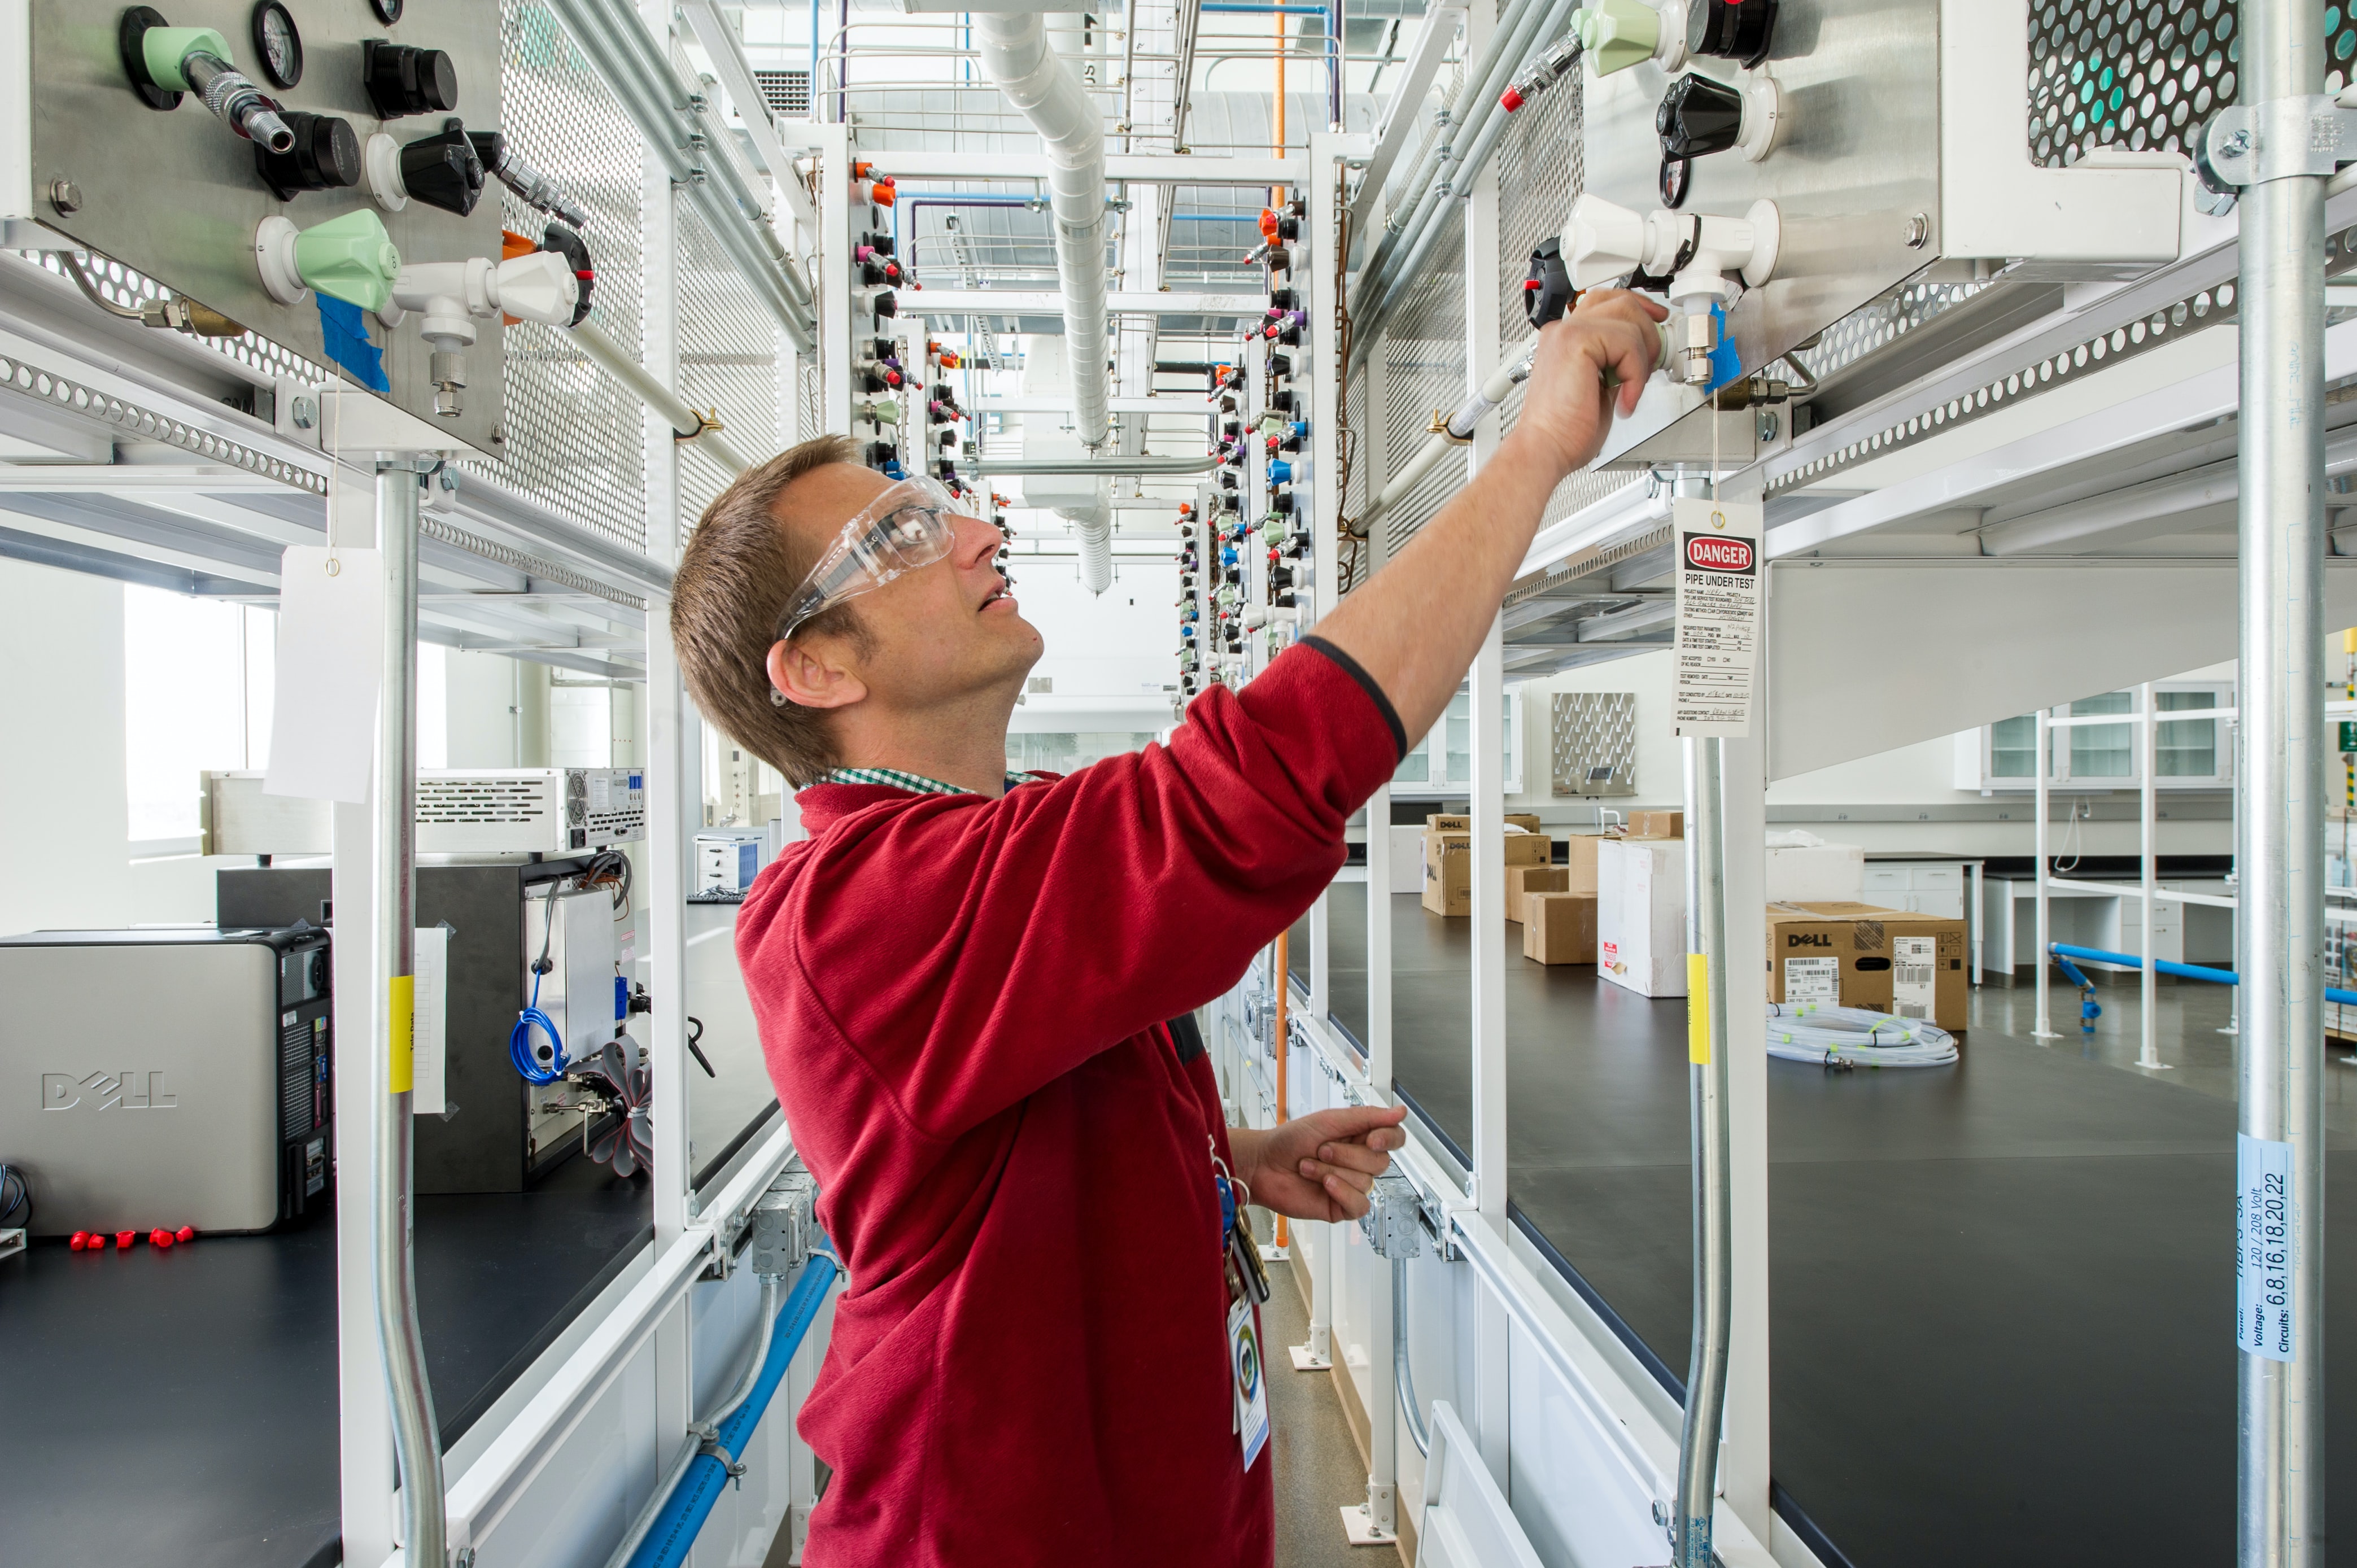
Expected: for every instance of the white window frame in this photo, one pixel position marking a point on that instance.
(1428, 788)
(1975, 751)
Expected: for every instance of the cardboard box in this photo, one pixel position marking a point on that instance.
(1447, 822)
(1449, 868)
(1521, 881)
(1861, 955)
(1561, 928)
(1657, 824)
(1641, 914)
(1526, 821)
(1581, 865)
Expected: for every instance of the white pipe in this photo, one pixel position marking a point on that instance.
(684, 421)
(1093, 528)
(1016, 55)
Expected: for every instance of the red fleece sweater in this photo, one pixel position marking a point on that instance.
(962, 1003)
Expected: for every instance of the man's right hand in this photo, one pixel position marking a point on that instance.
(1566, 407)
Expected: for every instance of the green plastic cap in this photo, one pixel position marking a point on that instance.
(164, 48)
(1618, 33)
(351, 258)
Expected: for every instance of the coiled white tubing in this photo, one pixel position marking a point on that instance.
(1810, 1031)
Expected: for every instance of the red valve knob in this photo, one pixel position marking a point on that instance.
(1510, 101)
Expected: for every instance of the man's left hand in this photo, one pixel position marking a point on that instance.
(1320, 1165)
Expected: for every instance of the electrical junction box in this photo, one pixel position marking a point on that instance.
(168, 1077)
(152, 180)
(726, 864)
(475, 810)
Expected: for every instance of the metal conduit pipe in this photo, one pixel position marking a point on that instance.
(1403, 1373)
(687, 1503)
(1516, 35)
(1017, 56)
(1428, 164)
(1709, 1133)
(685, 422)
(1457, 431)
(416, 1436)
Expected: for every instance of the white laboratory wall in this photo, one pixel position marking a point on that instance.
(1121, 643)
(64, 808)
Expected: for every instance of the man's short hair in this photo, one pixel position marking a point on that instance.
(741, 567)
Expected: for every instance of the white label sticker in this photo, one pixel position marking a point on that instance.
(1813, 979)
(2266, 1210)
(1717, 641)
(330, 668)
(1914, 968)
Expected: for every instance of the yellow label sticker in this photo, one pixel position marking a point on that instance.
(401, 1034)
(1698, 1008)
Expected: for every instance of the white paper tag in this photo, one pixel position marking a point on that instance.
(1812, 980)
(1251, 1381)
(1716, 642)
(430, 966)
(2266, 1210)
(1914, 970)
(331, 670)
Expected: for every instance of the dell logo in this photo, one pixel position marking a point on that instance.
(1808, 940)
(106, 1091)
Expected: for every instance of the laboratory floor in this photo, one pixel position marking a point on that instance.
(2002, 1291)
(178, 1410)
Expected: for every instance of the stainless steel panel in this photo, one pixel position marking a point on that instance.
(174, 194)
(1859, 158)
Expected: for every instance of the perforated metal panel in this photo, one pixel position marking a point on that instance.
(2140, 73)
(1880, 322)
(1592, 730)
(728, 361)
(1424, 369)
(785, 91)
(574, 437)
(129, 287)
(1541, 169)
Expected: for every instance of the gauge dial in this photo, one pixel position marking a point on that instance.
(279, 43)
(387, 11)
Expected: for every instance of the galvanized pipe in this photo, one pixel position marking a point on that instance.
(2279, 790)
(1710, 1154)
(417, 1437)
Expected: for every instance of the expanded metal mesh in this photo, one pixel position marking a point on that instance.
(574, 437)
(1424, 369)
(2145, 73)
(1542, 167)
(728, 361)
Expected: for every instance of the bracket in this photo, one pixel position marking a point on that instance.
(2247, 144)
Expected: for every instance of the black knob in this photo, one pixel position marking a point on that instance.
(1280, 365)
(1280, 401)
(1282, 500)
(1284, 299)
(1227, 478)
(566, 241)
(402, 79)
(873, 273)
(1280, 576)
(1547, 291)
(1697, 115)
(881, 452)
(884, 348)
(443, 170)
(1731, 29)
(326, 156)
(877, 241)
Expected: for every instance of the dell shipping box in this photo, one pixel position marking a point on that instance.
(1641, 914)
(1449, 868)
(1860, 955)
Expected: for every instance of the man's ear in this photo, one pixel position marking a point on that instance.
(812, 674)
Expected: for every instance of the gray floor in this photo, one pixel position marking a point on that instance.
(2001, 1291)
(1319, 1469)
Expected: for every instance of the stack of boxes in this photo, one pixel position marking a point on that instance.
(1856, 955)
(1448, 859)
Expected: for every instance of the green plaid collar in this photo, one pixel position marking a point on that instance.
(915, 783)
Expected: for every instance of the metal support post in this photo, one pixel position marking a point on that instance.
(2147, 751)
(416, 1436)
(2043, 1030)
(2279, 792)
(1707, 1059)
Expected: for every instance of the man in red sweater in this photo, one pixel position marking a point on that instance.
(973, 987)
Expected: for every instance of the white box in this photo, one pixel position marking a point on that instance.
(1817, 874)
(1407, 858)
(727, 862)
(1641, 914)
(460, 810)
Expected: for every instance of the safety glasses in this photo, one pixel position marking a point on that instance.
(907, 527)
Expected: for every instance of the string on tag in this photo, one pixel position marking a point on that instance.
(335, 469)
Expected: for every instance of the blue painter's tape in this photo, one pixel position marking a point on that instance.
(1726, 364)
(348, 349)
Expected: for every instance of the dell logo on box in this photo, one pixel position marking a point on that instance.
(106, 1091)
(1719, 554)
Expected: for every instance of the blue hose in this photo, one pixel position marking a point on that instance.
(519, 1043)
(673, 1535)
(2182, 971)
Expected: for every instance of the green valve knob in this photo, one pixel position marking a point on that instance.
(166, 50)
(1618, 33)
(351, 258)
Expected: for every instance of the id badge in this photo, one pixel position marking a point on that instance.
(1251, 1387)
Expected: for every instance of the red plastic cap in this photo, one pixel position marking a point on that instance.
(159, 1237)
(96, 1242)
(78, 1241)
(185, 1234)
(123, 1239)
(1510, 101)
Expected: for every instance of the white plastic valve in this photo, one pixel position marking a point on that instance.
(1706, 257)
(451, 296)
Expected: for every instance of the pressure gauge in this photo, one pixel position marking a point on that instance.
(278, 43)
(387, 11)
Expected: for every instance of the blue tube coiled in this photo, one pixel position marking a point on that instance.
(673, 1535)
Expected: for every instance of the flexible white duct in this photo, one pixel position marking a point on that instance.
(1016, 55)
(1093, 526)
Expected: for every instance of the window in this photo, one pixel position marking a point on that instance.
(198, 685)
(2013, 747)
(2185, 748)
(2103, 751)
(1453, 739)
(2187, 753)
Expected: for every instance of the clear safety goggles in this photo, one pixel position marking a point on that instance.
(907, 527)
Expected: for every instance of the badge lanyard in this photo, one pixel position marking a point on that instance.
(1247, 1283)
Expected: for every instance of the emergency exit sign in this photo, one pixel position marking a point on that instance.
(2347, 735)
